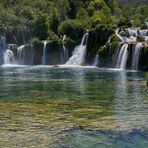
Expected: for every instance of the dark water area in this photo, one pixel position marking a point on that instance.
(72, 107)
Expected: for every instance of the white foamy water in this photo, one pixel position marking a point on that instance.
(79, 54)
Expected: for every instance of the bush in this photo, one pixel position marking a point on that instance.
(72, 28)
(37, 42)
(41, 28)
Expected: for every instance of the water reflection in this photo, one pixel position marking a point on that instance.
(129, 101)
(44, 106)
(121, 91)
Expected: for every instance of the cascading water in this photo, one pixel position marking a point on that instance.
(122, 57)
(118, 35)
(135, 56)
(79, 53)
(131, 34)
(65, 54)
(21, 55)
(144, 34)
(65, 51)
(9, 58)
(44, 53)
(96, 60)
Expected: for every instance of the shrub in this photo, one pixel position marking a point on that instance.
(72, 28)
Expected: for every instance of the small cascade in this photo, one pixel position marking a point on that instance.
(79, 54)
(96, 60)
(122, 57)
(118, 35)
(9, 58)
(64, 52)
(131, 34)
(21, 55)
(144, 34)
(135, 56)
(44, 53)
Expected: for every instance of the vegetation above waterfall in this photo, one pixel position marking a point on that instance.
(22, 20)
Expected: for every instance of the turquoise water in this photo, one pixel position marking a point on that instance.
(72, 107)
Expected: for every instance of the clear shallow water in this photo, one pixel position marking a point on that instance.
(72, 107)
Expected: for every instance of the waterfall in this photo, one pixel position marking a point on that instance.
(118, 35)
(79, 54)
(44, 53)
(135, 56)
(130, 34)
(9, 58)
(122, 57)
(64, 52)
(21, 55)
(144, 34)
(96, 60)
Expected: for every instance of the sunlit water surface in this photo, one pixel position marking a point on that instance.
(65, 107)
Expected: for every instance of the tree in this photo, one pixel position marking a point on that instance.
(41, 27)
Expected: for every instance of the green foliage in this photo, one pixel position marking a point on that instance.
(54, 22)
(41, 27)
(41, 17)
(36, 42)
(72, 28)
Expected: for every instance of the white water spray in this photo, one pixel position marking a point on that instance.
(135, 56)
(79, 54)
(96, 60)
(44, 53)
(9, 58)
(21, 54)
(131, 34)
(122, 57)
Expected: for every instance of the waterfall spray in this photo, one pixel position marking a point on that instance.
(122, 57)
(44, 53)
(135, 56)
(79, 54)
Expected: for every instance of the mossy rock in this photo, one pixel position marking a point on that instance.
(113, 48)
(114, 38)
(54, 44)
(69, 43)
(54, 50)
(143, 60)
(124, 33)
(52, 35)
(98, 38)
(28, 46)
(140, 38)
(144, 26)
(103, 51)
(14, 48)
(37, 43)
